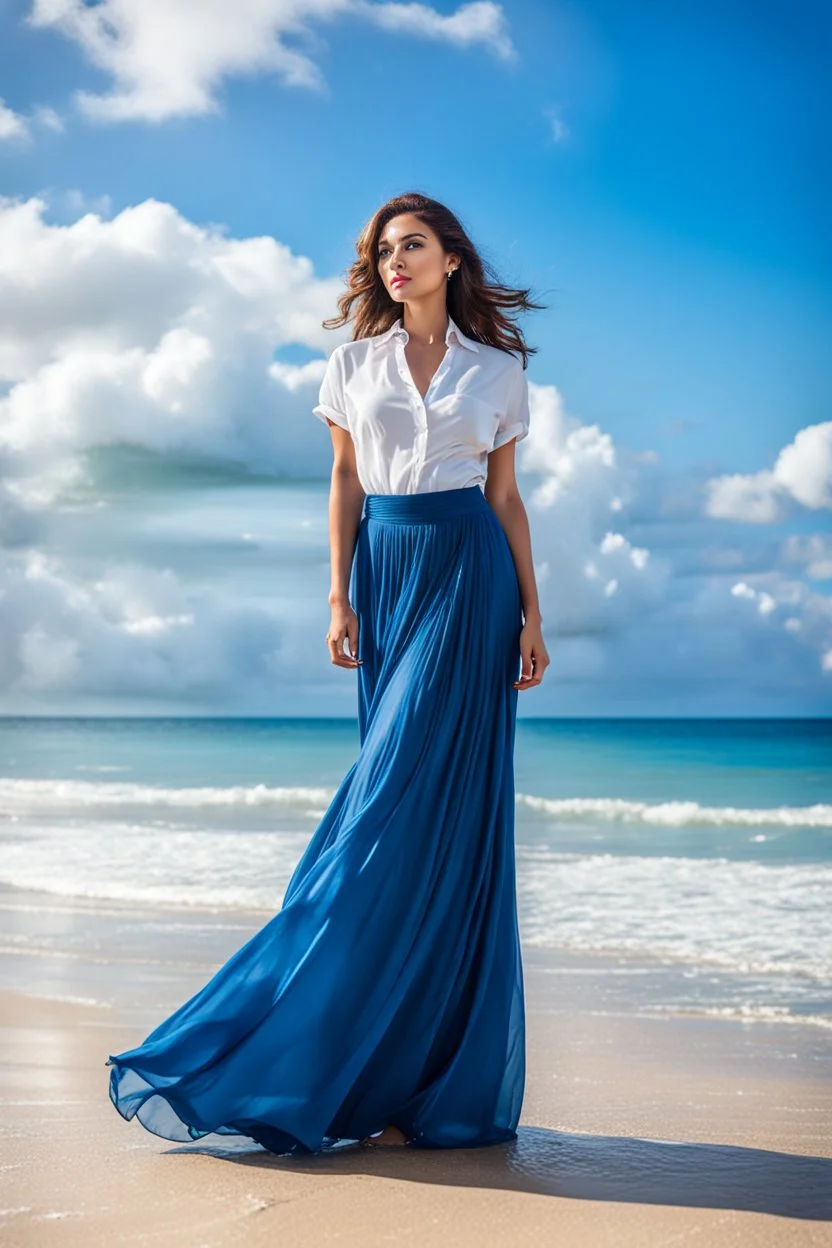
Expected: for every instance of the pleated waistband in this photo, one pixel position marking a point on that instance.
(425, 508)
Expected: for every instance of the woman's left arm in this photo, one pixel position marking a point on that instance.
(504, 497)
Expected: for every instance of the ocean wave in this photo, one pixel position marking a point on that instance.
(680, 814)
(126, 862)
(33, 796)
(747, 917)
(745, 1013)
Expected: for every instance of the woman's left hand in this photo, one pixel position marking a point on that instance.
(534, 655)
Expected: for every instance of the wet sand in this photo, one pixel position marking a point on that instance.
(636, 1130)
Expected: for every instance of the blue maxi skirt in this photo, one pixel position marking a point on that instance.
(389, 986)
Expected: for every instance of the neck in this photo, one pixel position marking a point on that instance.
(426, 324)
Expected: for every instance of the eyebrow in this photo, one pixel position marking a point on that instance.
(415, 234)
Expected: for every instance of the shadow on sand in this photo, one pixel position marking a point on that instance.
(587, 1167)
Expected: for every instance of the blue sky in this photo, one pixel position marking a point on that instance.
(653, 172)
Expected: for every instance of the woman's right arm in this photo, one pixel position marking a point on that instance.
(346, 499)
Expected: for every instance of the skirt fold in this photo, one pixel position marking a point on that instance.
(388, 988)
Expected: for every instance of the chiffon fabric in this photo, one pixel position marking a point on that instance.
(389, 986)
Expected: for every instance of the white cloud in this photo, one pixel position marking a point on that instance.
(788, 605)
(801, 474)
(146, 343)
(151, 334)
(150, 331)
(804, 467)
(558, 128)
(814, 551)
(722, 647)
(590, 577)
(130, 632)
(622, 615)
(764, 602)
(169, 58)
(76, 203)
(12, 125)
(45, 116)
(15, 127)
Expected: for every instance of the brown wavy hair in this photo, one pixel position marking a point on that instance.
(476, 299)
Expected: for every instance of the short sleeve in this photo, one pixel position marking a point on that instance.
(331, 394)
(514, 421)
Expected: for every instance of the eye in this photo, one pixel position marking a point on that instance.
(413, 243)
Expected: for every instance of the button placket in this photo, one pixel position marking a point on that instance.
(420, 444)
(418, 406)
(421, 404)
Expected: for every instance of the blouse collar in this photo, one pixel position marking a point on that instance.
(398, 328)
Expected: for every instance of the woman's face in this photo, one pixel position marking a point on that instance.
(409, 249)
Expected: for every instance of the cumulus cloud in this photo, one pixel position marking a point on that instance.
(802, 474)
(169, 58)
(146, 335)
(637, 622)
(133, 632)
(12, 125)
(590, 576)
(147, 330)
(146, 341)
(791, 607)
(722, 646)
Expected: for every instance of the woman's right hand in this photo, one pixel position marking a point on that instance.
(343, 625)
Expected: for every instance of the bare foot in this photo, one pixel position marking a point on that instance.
(390, 1135)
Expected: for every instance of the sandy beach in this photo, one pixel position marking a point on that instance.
(636, 1129)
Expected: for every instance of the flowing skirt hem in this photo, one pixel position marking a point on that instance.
(166, 1122)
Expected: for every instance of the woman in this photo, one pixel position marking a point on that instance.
(383, 1003)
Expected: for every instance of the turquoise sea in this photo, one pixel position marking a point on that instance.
(700, 846)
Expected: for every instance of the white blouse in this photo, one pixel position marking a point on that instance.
(477, 400)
